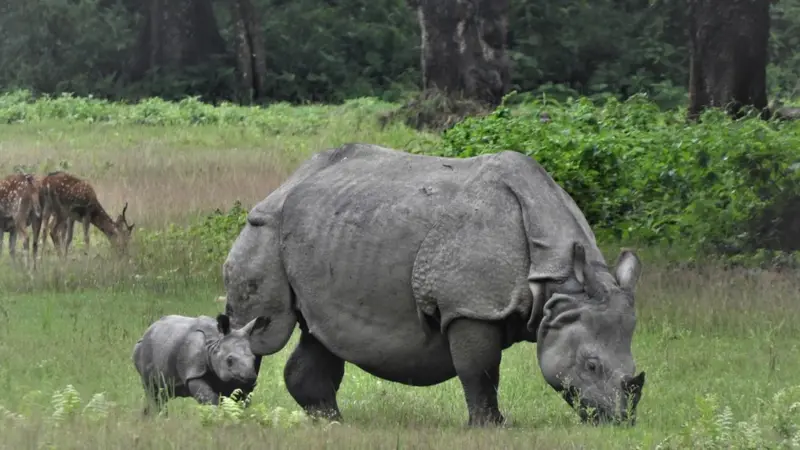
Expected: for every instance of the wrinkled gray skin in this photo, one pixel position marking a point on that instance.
(196, 357)
(418, 269)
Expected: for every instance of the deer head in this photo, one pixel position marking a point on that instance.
(33, 190)
(124, 230)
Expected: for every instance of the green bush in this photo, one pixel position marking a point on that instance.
(22, 106)
(197, 250)
(643, 175)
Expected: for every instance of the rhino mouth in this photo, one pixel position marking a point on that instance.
(592, 413)
(244, 383)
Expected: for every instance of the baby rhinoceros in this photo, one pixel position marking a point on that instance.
(197, 357)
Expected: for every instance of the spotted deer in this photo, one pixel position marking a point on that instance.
(68, 198)
(19, 207)
(36, 221)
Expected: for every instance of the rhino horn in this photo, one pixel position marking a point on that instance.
(260, 323)
(584, 272)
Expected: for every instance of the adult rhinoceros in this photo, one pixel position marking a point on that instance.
(419, 268)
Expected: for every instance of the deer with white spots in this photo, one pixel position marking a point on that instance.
(69, 198)
(19, 207)
(36, 221)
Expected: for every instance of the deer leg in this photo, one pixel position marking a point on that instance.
(36, 227)
(70, 230)
(86, 223)
(55, 232)
(43, 221)
(26, 247)
(21, 225)
(12, 245)
(54, 224)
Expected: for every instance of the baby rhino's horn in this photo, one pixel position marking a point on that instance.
(256, 325)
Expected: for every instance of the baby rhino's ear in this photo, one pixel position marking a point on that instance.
(223, 324)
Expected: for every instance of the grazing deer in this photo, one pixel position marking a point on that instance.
(69, 198)
(37, 220)
(19, 207)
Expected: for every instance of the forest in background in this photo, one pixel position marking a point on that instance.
(332, 50)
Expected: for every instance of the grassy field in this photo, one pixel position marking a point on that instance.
(719, 347)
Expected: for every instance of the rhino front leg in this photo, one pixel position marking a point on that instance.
(313, 375)
(476, 349)
(202, 392)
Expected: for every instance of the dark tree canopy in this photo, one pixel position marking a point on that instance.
(328, 51)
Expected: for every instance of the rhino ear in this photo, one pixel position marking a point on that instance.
(223, 324)
(628, 270)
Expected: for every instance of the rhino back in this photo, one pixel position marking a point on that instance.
(157, 352)
(350, 235)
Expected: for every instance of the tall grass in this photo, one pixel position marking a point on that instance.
(719, 346)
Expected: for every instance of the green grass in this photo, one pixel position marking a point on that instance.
(727, 334)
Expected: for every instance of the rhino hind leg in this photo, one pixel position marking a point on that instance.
(476, 348)
(313, 375)
(156, 397)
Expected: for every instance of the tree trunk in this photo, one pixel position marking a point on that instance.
(728, 45)
(464, 47)
(250, 51)
(176, 34)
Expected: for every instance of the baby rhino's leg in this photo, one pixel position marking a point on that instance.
(202, 392)
(157, 395)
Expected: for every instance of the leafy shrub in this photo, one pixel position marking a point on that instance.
(774, 427)
(643, 175)
(280, 118)
(236, 409)
(196, 250)
(66, 405)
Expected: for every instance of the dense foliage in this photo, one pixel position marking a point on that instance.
(279, 118)
(202, 246)
(639, 174)
(328, 51)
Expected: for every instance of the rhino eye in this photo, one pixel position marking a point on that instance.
(252, 287)
(591, 366)
(230, 361)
